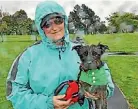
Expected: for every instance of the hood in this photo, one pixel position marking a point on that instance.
(43, 9)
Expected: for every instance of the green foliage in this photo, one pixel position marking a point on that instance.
(116, 19)
(82, 17)
(18, 24)
(3, 27)
(20, 15)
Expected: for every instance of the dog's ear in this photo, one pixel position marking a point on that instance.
(99, 43)
(77, 48)
(103, 48)
(106, 47)
(92, 45)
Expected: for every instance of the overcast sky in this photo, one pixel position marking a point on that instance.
(102, 8)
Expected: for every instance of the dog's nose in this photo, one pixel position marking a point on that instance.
(89, 62)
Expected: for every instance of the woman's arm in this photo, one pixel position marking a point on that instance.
(110, 85)
(18, 90)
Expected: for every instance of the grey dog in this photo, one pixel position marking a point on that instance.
(90, 56)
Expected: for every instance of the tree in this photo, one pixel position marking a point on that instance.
(20, 15)
(3, 28)
(21, 22)
(124, 22)
(18, 23)
(84, 18)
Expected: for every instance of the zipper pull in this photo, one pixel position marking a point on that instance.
(59, 55)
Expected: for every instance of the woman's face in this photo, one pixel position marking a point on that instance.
(54, 28)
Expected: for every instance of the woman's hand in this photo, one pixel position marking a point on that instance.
(93, 95)
(59, 103)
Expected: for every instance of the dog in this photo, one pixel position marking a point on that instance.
(90, 56)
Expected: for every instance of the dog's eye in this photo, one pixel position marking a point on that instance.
(86, 53)
(94, 53)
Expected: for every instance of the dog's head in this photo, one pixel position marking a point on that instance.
(90, 55)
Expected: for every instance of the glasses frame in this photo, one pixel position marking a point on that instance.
(58, 20)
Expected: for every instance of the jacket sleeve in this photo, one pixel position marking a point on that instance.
(18, 89)
(110, 85)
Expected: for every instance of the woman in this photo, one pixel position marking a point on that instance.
(37, 72)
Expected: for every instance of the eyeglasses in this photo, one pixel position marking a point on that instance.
(56, 20)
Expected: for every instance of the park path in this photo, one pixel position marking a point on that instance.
(117, 101)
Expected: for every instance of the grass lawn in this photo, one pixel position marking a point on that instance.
(125, 73)
(10, 49)
(117, 42)
(124, 68)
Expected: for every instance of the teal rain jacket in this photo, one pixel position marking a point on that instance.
(37, 71)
